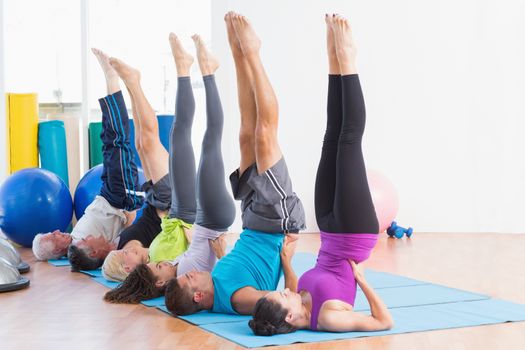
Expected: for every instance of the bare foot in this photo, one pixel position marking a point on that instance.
(207, 62)
(249, 41)
(183, 60)
(333, 62)
(127, 73)
(344, 45)
(110, 73)
(232, 36)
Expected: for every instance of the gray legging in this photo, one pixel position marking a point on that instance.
(208, 204)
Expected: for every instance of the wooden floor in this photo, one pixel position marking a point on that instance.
(64, 310)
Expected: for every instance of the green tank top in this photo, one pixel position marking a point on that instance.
(170, 242)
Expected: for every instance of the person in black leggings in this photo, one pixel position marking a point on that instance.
(324, 296)
(343, 202)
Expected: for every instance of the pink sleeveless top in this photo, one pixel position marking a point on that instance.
(332, 277)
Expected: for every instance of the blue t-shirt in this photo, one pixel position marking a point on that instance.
(255, 261)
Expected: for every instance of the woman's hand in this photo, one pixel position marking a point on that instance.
(289, 245)
(358, 273)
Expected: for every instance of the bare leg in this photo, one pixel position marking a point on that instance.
(138, 145)
(246, 98)
(344, 45)
(267, 150)
(155, 155)
(112, 82)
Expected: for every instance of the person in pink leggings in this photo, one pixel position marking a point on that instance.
(324, 296)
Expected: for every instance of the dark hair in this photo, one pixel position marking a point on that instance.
(179, 300)
(269, 318)
(80, 260)
(138, 286)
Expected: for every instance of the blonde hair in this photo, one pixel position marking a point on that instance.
(113, 268)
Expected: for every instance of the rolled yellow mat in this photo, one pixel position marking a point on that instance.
(71, 124)
(22, 131)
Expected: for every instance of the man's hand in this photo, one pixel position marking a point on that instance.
(289, 245)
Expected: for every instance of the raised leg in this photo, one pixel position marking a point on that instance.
(246, 98)
(154, 155)
(353, 208)
(326, 171)
(138, 146)
(215, 206)
(112, 79)
(182, 159)
(267, 150)
(119, 177)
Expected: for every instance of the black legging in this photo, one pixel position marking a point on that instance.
(343, 203)
(207, 204)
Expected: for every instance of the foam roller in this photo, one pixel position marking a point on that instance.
(95, 144)
(72, 126)
(22, 131)
(53, 148)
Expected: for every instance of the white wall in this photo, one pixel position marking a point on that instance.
(444, 83)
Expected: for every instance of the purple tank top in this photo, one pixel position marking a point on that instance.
(332, 277)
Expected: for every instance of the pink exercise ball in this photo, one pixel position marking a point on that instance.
(384, 196)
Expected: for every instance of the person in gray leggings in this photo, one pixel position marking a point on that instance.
(201, 199)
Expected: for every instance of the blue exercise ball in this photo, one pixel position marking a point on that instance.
(32, 201)
(89, 187)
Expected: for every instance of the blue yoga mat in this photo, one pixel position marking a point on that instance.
(396, 297)
(415, 305)
(105, 282)
(407, 320)
(154, 302)
(205, 317)
(92, 273)
(423, 294)
(52, 148)
(59, 262)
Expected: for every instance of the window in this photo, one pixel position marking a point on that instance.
(42, 49)
(137, 32)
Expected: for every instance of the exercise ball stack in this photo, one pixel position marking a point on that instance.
(33, 201)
